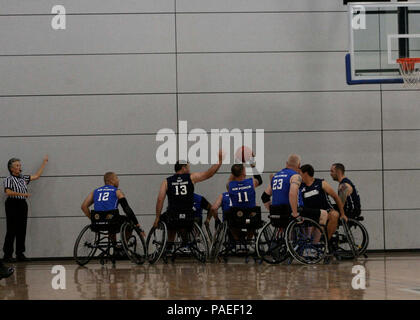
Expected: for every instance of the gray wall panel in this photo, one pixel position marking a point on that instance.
(83, 6)
(401, 191)
(87, 34)
(263, 72)
(401, 110)
(85, 155)
(87, 74)
(262, 32)
(66, 115)
(261, 5)
(358, 150)
(374, 225)
(48, 237)
(283, 111)
(402, 150)
(401, 229)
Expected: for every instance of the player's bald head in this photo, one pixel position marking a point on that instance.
(109, 177)
(293, 161)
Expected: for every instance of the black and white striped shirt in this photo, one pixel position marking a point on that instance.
(17, 184)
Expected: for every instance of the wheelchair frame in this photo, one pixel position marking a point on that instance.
(291, 240)
(341, 239)
(179, 246)
(99, 238)
(224, 243)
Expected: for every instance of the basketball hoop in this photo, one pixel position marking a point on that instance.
(409, 72)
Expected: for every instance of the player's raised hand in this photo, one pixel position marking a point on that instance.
(222, 155)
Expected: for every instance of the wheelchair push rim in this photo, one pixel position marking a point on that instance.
(301, 244)
(219, 239)
(361, 238)
(198, 238)
(271, 244)
(133, 243)
(90, 244)
(156, 242)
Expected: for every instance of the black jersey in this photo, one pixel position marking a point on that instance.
(314, 196)
(353, 200)
(180, 193)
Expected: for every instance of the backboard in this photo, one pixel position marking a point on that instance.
(379, 34)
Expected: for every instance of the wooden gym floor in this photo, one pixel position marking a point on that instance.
(388, 276)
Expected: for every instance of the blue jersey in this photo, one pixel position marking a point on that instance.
(198, 210)
(242, 193)
(105, 198)
(226, 202)
(280, 184)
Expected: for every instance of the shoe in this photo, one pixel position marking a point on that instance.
(9, 259)
(6, 272)
(22, 258)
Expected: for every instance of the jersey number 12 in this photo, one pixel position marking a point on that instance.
(103, 196)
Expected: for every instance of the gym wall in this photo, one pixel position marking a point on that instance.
(93, 96)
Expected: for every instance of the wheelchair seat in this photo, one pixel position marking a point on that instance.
(280, 216)
(244, 218)
(179, 219)
(106, 221)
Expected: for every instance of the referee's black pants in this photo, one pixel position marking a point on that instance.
(16, 219)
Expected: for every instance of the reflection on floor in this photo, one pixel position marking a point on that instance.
(388, 276)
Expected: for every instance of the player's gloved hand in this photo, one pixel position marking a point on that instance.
(299, 219)
(344, 217)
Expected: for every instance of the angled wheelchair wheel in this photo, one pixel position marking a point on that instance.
(359, 236)
(156, 242)
(85, 245)
(133, 243)
(306, 241)
(218, 241)
(271, 244)
(208, 232)
(198, 243)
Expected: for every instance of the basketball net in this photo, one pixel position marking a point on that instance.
(410, 72)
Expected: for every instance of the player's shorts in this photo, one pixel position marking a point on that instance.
(310, 213)
(174, 224)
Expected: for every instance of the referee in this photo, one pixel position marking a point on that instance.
(15, 187)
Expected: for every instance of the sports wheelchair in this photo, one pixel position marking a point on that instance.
(351, 239)
(285, 238)
(189, 240)
(232, 236)
(100, 238)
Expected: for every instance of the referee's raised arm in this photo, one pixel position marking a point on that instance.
(40, 170)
